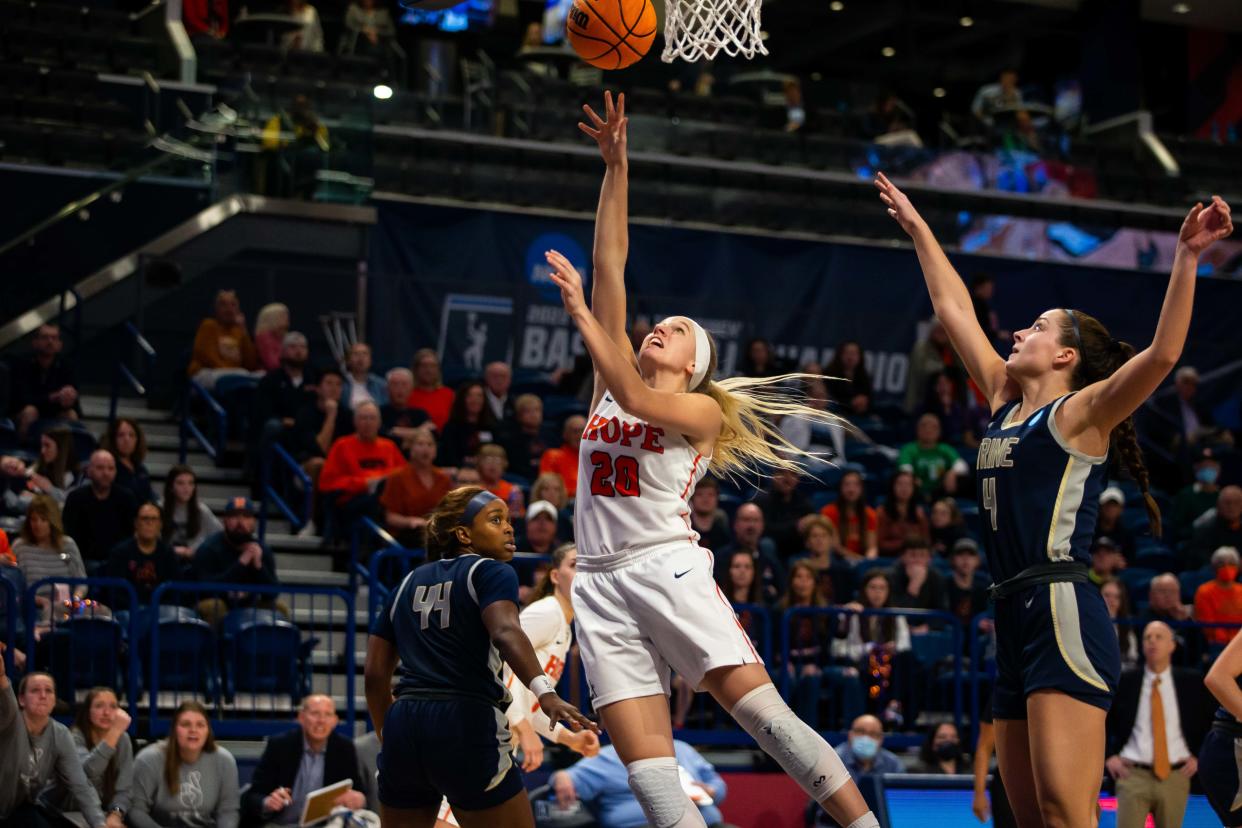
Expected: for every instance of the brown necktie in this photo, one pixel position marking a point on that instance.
(1159, 739)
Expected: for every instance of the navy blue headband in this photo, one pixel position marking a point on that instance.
(476, 505)
(1077, 333)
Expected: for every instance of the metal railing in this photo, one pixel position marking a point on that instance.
(271, 494)
(123, 373)
(189, 428)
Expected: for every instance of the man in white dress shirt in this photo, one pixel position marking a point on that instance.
(1156, 725)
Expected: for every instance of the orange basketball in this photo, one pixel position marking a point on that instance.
(611, 34)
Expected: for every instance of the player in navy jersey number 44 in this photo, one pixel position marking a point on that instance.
(452, 624)
(1060, 402)
(1220, 758)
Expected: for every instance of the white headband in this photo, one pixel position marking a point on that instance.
(702, 355)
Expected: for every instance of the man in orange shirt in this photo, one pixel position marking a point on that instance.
(357, 466)
(429, 392)
(222, 345)
(492, 462)
(1220, 600)
(564, 460)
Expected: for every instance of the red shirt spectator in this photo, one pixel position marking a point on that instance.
(415, 490)
(355, 462)
(209, 17)
(564, 460)
(429, 392)
(858, 535)
(1220, 600)
(6, 551)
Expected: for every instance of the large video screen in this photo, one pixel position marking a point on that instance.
(468, 16)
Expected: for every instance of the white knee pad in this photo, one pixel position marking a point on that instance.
(657, 787)
(805, 756)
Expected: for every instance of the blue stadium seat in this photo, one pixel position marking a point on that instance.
(931, 647)
(267, 657)
(1137, 580)
(84, 653)
(1191, 581)
(186, 659)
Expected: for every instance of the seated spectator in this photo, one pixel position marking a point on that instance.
(320, 424)
(601, 783)
(41, 385)
(295, 145)
(1117, 600)
(856, 522)
(185, 767)
(946, 526)
(234, 556)
(429, 392)
(399, 421)
(901, 516)
(100, 515)
(550, 487)
(929, 358)
(740, 584)
(941, 752)
(748, 537)
(759, 360)
(821, 551)
(1197, 498)
(1106, 560)
(541, 525)
(45, 551)
(965, 594)
(783, 508)
(128, 446)
(706, 516)
(492, 463)
(947, 402)
(145, 560)
(309, 38)
(7, 558)
(309, 757)
(411, 493)
(879, 645)
(808, 654)
(1224, 529)
(39, 753)
(936, 465)
(186, 521)
(206, 18)
(1186, 419)
(522, 436)
(563, 460)
(270, 327)
(916, 584)
(1219, 601)
(106, 753)
(1164, 603)
(358, 465)
(863, 754)
(470, 425)
(281, 394)
(368, 28)
(497, 378)
(56, 471)
(849, 384)
(222, 345)
(993, 98)
(360, 384)
(1108, 524)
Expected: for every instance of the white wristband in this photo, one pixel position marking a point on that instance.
(541, 684)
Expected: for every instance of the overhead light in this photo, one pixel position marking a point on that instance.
(836, 5)
(382, 92)
(764, 35)
(1181, 8)
(888, 51)
(939, 92)
(966, 20)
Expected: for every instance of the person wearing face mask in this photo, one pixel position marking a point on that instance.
(941, 752)
(1220, 600)
(1223, 528)
(1198, 497)
(864, 754)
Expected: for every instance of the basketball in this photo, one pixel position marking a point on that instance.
(611, 34)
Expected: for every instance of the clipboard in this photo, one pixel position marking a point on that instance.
(319, 804)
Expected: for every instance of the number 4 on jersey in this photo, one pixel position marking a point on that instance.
(989, 498)
(432, 599)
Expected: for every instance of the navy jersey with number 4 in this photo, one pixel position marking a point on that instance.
(1038, 497)
(435, 619)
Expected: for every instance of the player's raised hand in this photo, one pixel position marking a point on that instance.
(567, 278)
(899, 206)
(1205, 225)
(609, 131)
(559, 710)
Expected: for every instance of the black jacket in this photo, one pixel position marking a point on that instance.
(1194, 708)
(278, 768)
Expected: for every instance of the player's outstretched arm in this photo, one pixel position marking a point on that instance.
(381, 662)
(1222, 678)
(501, 620)
(1104, 404)
(612, 234)
(950, 298)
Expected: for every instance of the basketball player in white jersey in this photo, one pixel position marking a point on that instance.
(644, 596)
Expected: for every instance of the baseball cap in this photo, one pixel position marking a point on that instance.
(540, 507)
(1104, 542)
(1114, 494)
(965, 545)
(240, 503)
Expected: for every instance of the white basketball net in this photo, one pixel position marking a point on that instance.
(695, 29)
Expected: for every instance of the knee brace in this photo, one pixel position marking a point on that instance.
(797, 748)
(657, 787)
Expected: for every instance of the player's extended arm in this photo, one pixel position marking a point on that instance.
(501, 620)
(950, 298)
(1222, 679)
(381, 662)
(1104, 404)
(612, 233)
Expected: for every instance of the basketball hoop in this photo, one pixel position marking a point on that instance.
(697, 29)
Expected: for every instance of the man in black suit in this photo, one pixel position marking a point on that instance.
(294, 764)
(1156, 725)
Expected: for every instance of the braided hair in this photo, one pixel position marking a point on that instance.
(1099, 357)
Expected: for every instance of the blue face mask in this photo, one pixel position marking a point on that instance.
(864, 747)
(1207, 474)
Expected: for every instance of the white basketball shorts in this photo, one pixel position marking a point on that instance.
(656, 611)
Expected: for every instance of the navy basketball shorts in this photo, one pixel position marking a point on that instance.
(1054, 637)
(458, 748)
(1219, 773)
